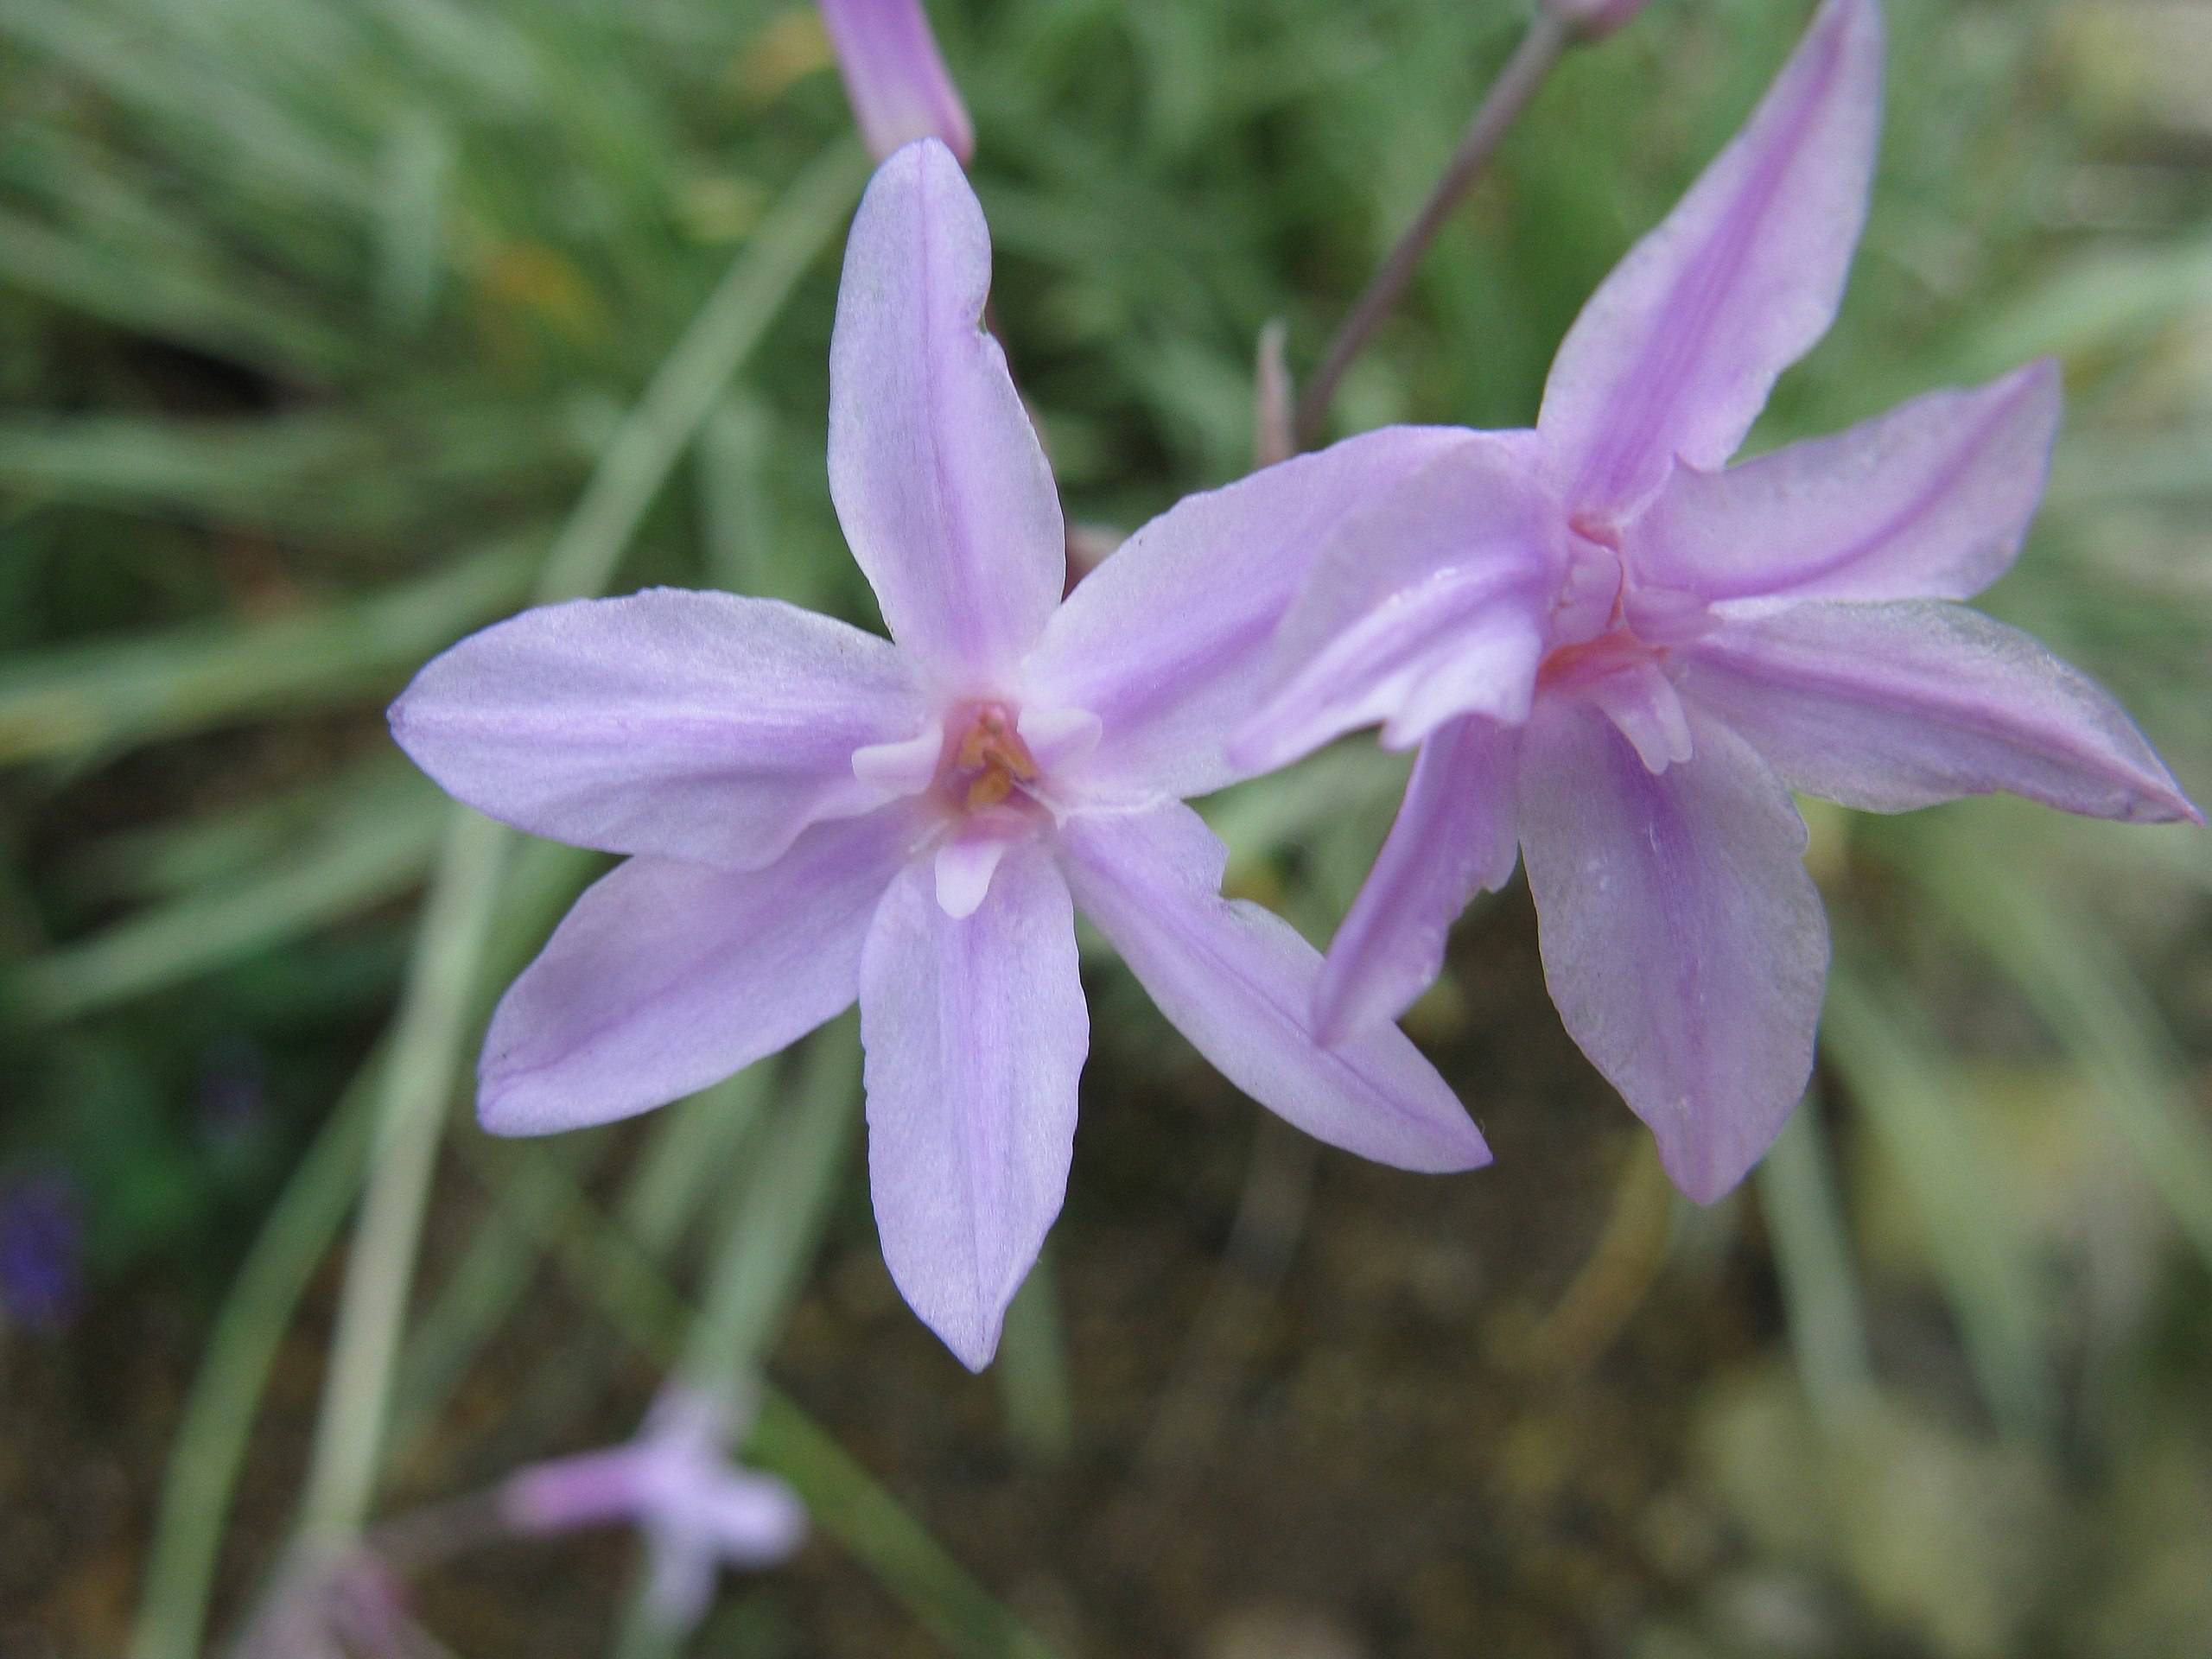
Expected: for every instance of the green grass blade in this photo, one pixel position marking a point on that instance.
(173, 859)
(380, 471)
(2095, 1004)
(215, 1432)
(696, 377)
(169, 301)
(692, 1147)
(1883, 1051)
(497, 1267)
(371, 861)
(1812, 1252)
(735, 522)
(701, 1140)
(416, 176)
(95, 699)
(775, 1227)
(1033, 1370)
(774, 1233)
(222, 112)
(426, 1041)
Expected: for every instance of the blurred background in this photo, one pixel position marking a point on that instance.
(333, 329)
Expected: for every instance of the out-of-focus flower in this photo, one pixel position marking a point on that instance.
(1595, 19)
(41, 1251)
(896, 77)
(697, 1511)
(817, 814)
(1623, 658)
(343, 1604)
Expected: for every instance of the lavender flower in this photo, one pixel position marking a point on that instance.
(895, 77)
(815, 814)
(698, 1512)
(1623, 658)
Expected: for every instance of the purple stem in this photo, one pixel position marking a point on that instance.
(1540, 48)
(420, 1538)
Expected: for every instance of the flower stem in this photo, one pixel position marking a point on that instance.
(428, 1032)
(1812, 1257)
(1032, 1371)
(1540, 48)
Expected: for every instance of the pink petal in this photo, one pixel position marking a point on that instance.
(1930, 501)
(666, 977)
(1453, 838)
(1645, 709)
(937, 475)
(1169, 641)
(752, 1520)
(975, 1032)
(1683, 942)
(1426, 602)
(1892, 706)
(694, 726)
(1674, 355)
(588, 1490)
(964, 865)
(1239, 983)
(895, 76)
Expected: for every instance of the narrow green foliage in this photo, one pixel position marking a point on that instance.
(1884, 1052)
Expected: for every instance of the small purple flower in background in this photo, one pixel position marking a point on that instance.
(338, 1605)
(698, 1511)
(41, 1251)
(1595, 19)
(895, 77)
(817, 814)
(1622, 658)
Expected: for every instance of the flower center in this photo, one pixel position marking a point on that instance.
(1611, 638)
(1592, 660)
(1588, 603)
(983, 763)
(982, 769)
(985, 758)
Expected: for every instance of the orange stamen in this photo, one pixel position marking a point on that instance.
(991, 741)
(987, 791)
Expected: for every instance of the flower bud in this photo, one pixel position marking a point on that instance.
(895, 77)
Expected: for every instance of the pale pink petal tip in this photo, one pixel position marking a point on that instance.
(1673, 358)
(975, 1031)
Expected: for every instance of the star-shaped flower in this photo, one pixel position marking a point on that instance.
(1622, 658)
(697, 1511)
(817, 814)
